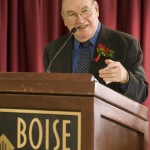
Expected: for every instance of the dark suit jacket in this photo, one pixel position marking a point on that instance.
(127, 52)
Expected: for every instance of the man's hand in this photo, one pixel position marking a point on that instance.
(114, 72)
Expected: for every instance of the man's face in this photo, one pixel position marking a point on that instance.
(82, 14)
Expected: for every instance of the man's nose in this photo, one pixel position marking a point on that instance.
(80, 18)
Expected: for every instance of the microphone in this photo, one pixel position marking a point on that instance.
(51, 62)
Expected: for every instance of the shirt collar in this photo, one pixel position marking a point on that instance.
(76, 44)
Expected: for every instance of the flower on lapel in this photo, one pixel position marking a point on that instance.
(104, 52)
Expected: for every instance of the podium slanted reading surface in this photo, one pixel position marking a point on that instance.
(68, 112)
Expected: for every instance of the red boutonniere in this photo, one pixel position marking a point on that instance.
(104, 52)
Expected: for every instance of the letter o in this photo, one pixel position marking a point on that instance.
(37, 121)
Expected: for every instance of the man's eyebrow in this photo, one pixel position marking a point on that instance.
(70, 11)
(85, 7)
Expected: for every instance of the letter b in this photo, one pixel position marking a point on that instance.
(21, 128)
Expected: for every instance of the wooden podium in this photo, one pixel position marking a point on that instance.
(68, 112)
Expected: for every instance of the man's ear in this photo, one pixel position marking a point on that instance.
(97, 8)
(63, 17)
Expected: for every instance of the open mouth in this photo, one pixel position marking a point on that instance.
(82, 27)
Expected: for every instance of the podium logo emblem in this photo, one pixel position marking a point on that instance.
(5, 144)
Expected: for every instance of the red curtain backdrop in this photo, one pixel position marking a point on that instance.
(26, 26)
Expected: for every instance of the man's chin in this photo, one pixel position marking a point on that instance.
(83, 37)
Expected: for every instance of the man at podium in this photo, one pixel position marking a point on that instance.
(113, 57)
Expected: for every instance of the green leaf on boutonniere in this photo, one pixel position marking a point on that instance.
(104, 52)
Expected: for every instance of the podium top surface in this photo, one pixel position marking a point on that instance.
(45, 83)
(67, 85)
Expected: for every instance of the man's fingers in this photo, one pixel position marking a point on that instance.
(108, 70)
(108, 61)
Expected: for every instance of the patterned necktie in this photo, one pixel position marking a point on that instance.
(84, 58)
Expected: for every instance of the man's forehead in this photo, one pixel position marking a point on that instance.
(76, 1)
(68, 4)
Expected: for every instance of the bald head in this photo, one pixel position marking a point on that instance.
(64, 0)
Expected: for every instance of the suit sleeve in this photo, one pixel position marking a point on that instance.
(138, 86)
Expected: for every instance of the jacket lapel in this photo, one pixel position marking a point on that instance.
(63, 62)
(103, 38)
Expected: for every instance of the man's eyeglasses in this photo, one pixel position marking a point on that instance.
(85, 13)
